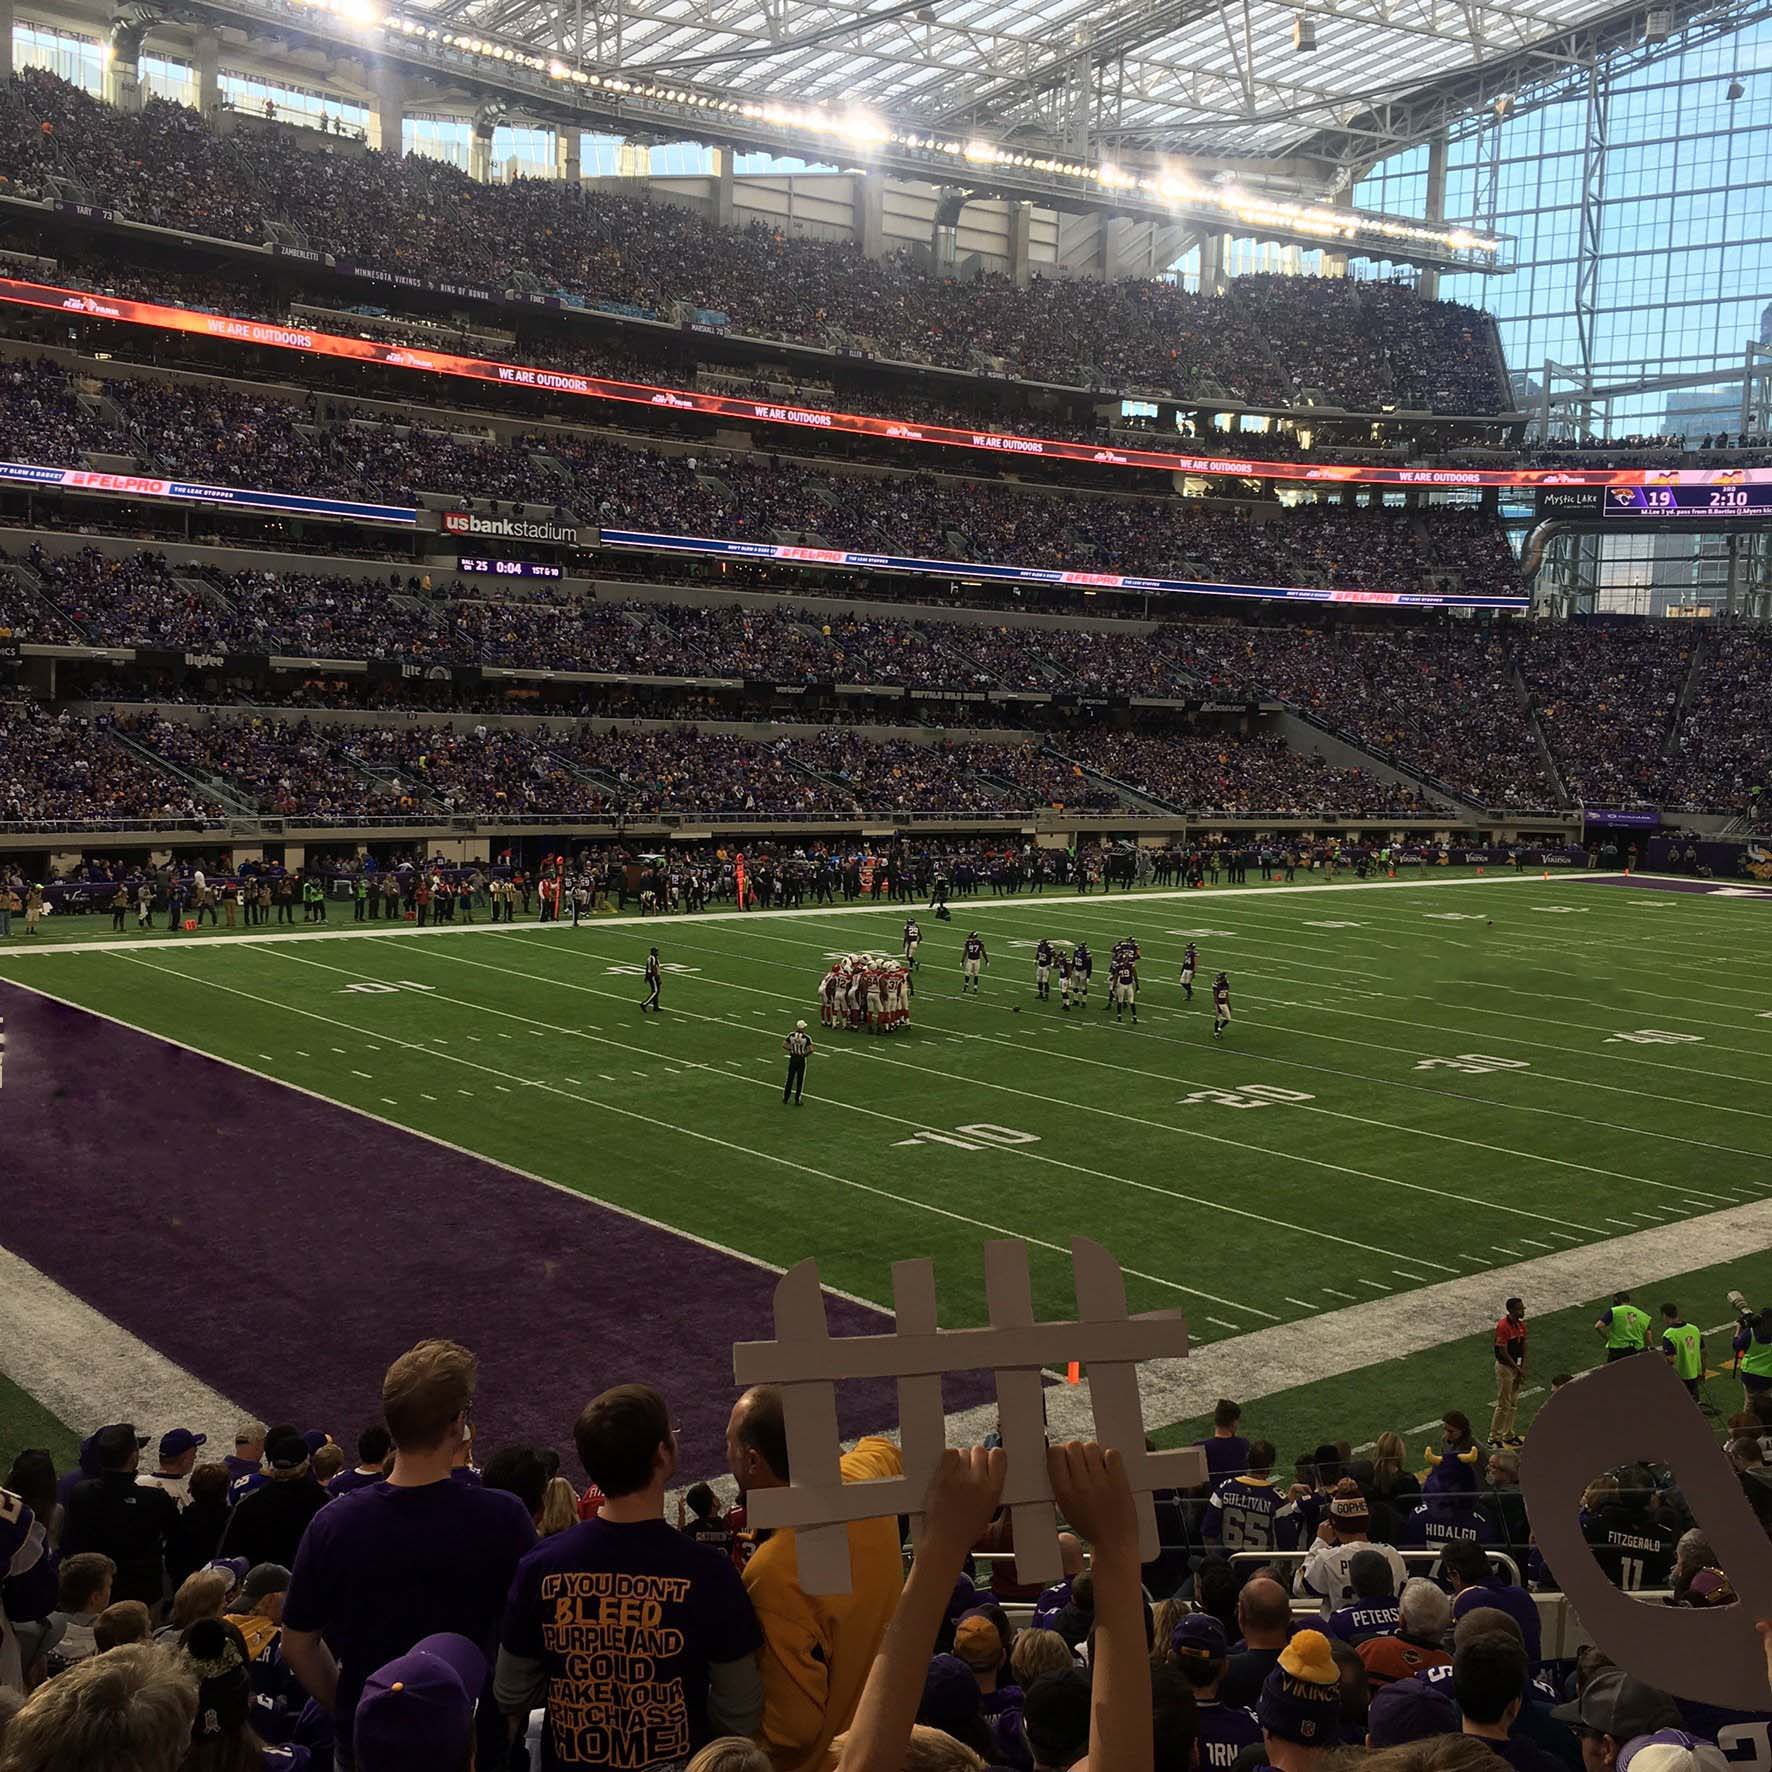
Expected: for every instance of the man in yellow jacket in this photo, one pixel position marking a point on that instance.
(817, 1648)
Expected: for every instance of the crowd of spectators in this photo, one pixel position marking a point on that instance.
(57, 768)
(1606, 699)
(306, 1601)
(1276, 339)
(1722, 747)
(1439, 701)
(1239, 777)
(360, 773)
(229, 438)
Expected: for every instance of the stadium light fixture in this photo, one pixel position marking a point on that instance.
(1735, 90)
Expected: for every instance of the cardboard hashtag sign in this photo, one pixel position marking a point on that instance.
(808, 1363)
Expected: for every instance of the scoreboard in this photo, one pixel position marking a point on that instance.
(1689, 501)
(1719, 501)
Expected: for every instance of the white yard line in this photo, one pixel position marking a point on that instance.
(88, 1371)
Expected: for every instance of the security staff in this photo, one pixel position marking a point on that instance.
(798, 1046)
(1682, 1344)
(1623, 1327)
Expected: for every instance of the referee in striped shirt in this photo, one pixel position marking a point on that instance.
(797, 1045)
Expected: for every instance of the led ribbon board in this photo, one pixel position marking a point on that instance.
(271, 333)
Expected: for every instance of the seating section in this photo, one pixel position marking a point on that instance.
(1358, 345)
(233, 438)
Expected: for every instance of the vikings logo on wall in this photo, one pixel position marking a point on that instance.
(1759, 861)
(866, 991)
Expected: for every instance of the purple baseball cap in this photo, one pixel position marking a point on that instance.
(180, 1441)
(417, 1713)
(1201, 1635)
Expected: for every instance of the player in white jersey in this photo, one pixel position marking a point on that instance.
(827, 996)
(876, 1001)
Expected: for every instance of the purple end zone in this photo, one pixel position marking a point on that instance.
(284, 1249)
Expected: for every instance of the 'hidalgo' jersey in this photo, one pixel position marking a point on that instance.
(974, 948)
(1250, 1513)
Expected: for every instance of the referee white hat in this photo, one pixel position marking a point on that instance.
(799, 1027)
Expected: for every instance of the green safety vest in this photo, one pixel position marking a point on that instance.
(1757, 1359)
(1627, 1326)
(1687, 1344)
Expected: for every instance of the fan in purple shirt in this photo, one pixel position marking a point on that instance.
(409, 1558)
(1375, 1611)
(1466, 1570)
(641, 1642)
(373, 1446)
(1201, 1647)
(1227, 1452)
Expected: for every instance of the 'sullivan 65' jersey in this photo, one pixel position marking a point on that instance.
(1251, 1513)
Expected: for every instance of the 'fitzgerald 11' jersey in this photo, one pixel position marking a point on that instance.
(1251, 1513)
(974, 948)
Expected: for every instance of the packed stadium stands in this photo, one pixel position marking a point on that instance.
(1365, 346)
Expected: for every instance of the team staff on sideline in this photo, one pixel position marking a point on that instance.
(1682, 1345)
(1510, 1372)
(1623, 1328)
(798, 1047)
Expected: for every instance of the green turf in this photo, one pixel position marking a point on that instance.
(25, 1422)
(1408, 1395)
(526, 1044)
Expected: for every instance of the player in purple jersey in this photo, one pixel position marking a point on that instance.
(1043, 970)
(1082, 970)
(1065, 970)
(1125, 991)
(1189, 961)
(972, 959)
(1221, 1005)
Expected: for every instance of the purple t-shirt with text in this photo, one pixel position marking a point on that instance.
(627, 1618)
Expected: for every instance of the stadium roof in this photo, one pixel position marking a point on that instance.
(1202, 77)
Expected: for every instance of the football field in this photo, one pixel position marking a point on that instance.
(1424, 1081)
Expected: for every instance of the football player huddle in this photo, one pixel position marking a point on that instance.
(866, 991)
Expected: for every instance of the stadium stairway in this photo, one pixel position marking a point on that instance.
(1695, 667)
(1305, 732)
(1524, 697)
(30, 582)
(211, 787)
(1136, 799)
